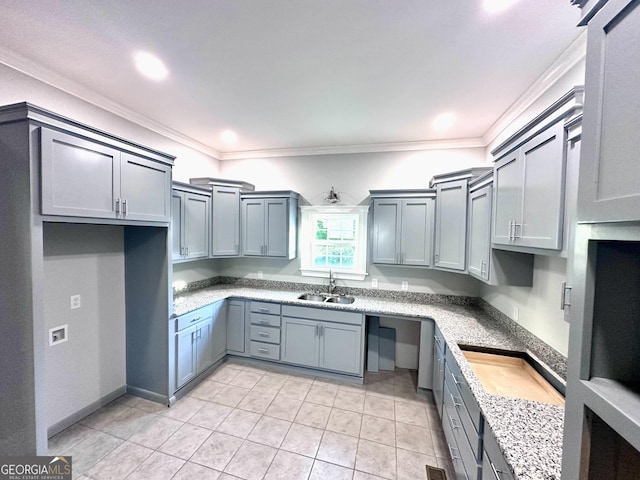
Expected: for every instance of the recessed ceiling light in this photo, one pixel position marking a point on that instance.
(496, 6)
(444, 121)
(150, 66)
(229, 137)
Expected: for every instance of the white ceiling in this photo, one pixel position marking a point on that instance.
(297, 73)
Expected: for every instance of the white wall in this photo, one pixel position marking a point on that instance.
(17, 87)
(86, 260)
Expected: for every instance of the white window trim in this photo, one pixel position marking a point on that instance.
(306, 269)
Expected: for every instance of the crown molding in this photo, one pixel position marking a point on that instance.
(54, 79)
(573, 54)
(350, 149)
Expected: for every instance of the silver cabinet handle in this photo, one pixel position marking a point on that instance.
(195, 319)
(517, 226)
(565, 299)
(454, 423)
(263, 334)
(437, 340)
(264, 309)
(263, 350)
(124, 207)
(117, 206)
(455, 380)
(264, 322)
(321, 330)
(455, 403)
(510, 230)
(453, 457)
(317, 329)
(496, 472)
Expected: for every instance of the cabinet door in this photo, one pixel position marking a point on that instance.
(451, 225)
(341, 347)
(235, 326)
(204, 345)
(145, 189)
(438, 378)
(299, 341)
(225, 227)
(185, 356)
(609, 186)
(196, 225)
(219, 332)
(252, 227)
(480, 232)
(543, 190)
(79, 178)
(507, 187)
(276, 227)
(386, 231)
(177, 225)
(416, 236)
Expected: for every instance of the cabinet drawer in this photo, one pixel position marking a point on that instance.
(265, 319)
(323, 314)
(471, 466)
(494, 459)
(264, 307)
(183, 321)
(265, 350)
(454, 403)
(460, 385)
(454, 451)
(265, 334)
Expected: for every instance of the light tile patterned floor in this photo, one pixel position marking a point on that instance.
(263, 422)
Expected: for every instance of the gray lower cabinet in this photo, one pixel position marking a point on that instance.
(189, 222)
(609, 185)
(235, 326)
(85, 178)
(194, 344)
(402, 230)
(438, 370)
(494, 466)
(325, 339)
(269, 224)
(450, 244)
(530, 180)
(265, 332)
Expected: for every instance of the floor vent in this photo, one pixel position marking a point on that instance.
(435, 473)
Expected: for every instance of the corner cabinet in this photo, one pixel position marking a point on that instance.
(189, 222)
(87, 177)
(225, 214)
(450, 247)
(402, 227)
(494, 267)
(268, 223)
(529, 180)
(321, 338)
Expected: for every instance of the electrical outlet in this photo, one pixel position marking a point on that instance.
(516, 313)
(58, 335)
(405, 285)
(374, 283)
(75, 301)
(260, 276)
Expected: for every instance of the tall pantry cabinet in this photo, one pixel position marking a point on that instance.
(602, 419)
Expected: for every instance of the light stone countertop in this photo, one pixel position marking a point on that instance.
(528, 433)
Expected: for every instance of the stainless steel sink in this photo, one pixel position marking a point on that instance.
(317, 297)
(342, 299)
(312, 297)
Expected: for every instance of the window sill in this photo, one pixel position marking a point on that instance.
(336, 274)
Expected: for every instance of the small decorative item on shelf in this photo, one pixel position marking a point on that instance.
(332, 197)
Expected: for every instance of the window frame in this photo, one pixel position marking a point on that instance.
(307, 269)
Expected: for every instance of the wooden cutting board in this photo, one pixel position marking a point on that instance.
(511, 377)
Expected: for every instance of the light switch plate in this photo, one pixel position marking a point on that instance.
(405, 285)
(374, 283)
(75, 301)
(260, 276)
(516, 313)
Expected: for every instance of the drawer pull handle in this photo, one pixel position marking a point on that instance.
(195, 319)
(454, 423)
(496, 472)
(263, 334)
(455, 379)
(455, 403)
(263, 310)
(263, 350)
(264, 322)
(453, 457)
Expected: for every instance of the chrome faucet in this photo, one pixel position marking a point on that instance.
(332, 283)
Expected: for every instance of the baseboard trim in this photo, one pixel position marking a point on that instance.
(148, 395)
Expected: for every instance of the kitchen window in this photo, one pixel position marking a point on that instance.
(334, 238)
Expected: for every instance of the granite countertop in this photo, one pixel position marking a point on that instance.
(529, 433)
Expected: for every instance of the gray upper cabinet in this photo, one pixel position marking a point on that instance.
(402, 230)
(609, 187)
(269, 224)
(450, 247)
(495, 267)
(189, 222)
(225, 218)
(85, 178)
(530, 179)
